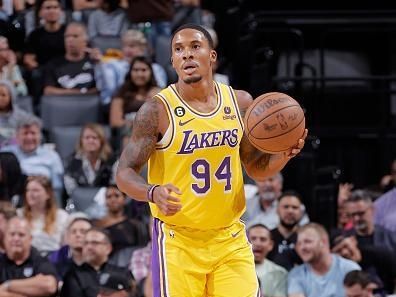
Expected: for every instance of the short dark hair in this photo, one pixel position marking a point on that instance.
(198, 28)
(78, 219)
(356, 277)
(360, 195)
(102, 231)
(291, 193)
(259, 225)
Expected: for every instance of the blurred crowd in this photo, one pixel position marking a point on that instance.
(65, 228)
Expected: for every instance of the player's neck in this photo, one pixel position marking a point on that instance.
(200, 91)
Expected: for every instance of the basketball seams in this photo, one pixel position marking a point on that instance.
(250, 109)
(258, 123)
(288, 131)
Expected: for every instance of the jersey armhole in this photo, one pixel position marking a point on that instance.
(236, 106)
(167, 138)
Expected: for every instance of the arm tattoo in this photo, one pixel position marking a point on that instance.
(144, 137)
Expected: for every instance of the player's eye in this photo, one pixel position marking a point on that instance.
(196, 46)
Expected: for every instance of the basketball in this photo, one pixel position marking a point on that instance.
(274, 122)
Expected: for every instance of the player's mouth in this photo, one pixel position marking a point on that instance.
(189, 67)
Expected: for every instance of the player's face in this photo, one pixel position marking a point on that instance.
(192, 56)
(289, 211)
(261, 242)
(309, 246)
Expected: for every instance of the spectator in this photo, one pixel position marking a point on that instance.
(290, 210)
(273, 278)
(113, 72)
(44, 43)
(124, 232)
(74, 72)
(70, 255)
(139, 86)
(23, 272)
(385, 208)
(34, 158)
(360, 209)
(378, 262)
(140, 264)
(261, 207)
(12, 181)
(47, 222)
(7, 211)
(358, 284)
(10, 113)
(9, 70)
(322, 273)
(91, 165)
(85, 280)
(108, 20)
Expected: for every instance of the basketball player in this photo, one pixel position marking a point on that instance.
(191, 134)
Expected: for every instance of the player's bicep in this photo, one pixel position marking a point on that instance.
(144, 137)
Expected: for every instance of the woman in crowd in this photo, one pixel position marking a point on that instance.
(9, 113)
(47, 221)
(12, 180)
(139, 86)
(91, 165)
(124, 232)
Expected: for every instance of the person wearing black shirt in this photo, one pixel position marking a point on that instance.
(23, 272)
(86, 280)
(290, 211)
(72, 73)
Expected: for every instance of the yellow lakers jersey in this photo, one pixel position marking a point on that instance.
(199, 154)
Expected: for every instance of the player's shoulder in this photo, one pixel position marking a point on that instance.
(244, 99)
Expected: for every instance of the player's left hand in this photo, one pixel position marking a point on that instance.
(295, 150)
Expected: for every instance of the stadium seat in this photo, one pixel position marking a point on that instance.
(69, 110)
(25, 103)
(83, 197)
(106, 42)
(65, 138)
(122, 257)
(163, 51)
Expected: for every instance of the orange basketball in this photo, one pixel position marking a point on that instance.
(274, 122)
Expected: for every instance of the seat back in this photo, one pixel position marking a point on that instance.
(106, 42)
(69, 110)
(25, 103)
(83, 197)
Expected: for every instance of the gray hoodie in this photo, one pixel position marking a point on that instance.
(9, 119)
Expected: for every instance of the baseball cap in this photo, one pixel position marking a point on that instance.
(113, 282)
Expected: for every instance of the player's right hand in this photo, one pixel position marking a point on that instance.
(167, 204)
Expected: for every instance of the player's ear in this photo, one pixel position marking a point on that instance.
(213, 56)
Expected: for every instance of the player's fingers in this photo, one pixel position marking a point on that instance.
(173, 199)
(305, 134)
(173, 188)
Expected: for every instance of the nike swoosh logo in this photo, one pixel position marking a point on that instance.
(235, 234)
(186, 122)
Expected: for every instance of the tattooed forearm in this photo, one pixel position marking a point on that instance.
(138, 151)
